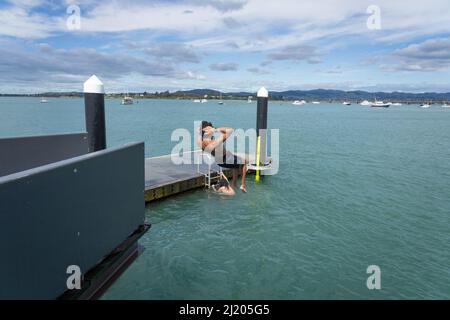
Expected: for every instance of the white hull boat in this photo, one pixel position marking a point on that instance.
(380, 104)
(127, 101)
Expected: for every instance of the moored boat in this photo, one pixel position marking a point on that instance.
(365, 103)
(380, 104)
(127, 100)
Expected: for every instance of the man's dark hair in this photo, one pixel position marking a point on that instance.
(206, 124)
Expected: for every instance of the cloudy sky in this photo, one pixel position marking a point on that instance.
(230, 45)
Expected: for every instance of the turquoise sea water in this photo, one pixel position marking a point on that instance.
(357, 186)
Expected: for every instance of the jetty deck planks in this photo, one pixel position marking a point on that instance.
(163, 178)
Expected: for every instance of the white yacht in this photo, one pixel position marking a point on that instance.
(249, 99)
(203, 101)
(44, 100)
(197, 100)
(365, 103)
(380, 104)
(425, 106)
(299, 103)
(445, 105)
(127, 100)
(346, 103)
(220, 101)
(397, 104)
(315, 102)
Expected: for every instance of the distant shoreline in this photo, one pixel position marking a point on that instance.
(322, 95)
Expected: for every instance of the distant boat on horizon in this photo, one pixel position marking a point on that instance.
(445, 105)
(127, 100)
(397, 104)
(365, 103)
(249, 99)
(299, 103)
(44, 101)
(346, 103)
(380, 104)
(425, 106)
(315, 102)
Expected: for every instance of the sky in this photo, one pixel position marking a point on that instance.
(228, 45)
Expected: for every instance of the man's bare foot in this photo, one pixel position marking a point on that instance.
(243, 189)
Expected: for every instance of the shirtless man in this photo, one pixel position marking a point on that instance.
(225, 159)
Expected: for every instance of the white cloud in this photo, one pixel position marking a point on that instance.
(198, 29)
(173, 51)
(428, 56)
(297, 53)
(299, 21)
(224, 66)
(18, 22)
(257, 70)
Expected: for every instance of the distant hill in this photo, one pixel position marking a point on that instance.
(322, 94)
(326, 95)
(308, 95)
(198, 92)
(45, 94)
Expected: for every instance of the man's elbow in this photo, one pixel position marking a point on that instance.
(229, 131)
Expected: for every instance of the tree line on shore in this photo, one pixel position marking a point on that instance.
(308, 95)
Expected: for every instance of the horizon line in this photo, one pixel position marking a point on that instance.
(227, 92)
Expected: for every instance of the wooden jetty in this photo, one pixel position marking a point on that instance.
(164, 178)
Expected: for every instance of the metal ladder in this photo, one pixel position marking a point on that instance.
(207, 158)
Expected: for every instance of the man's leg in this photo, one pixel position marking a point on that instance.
(235, 176)
(244, 172)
